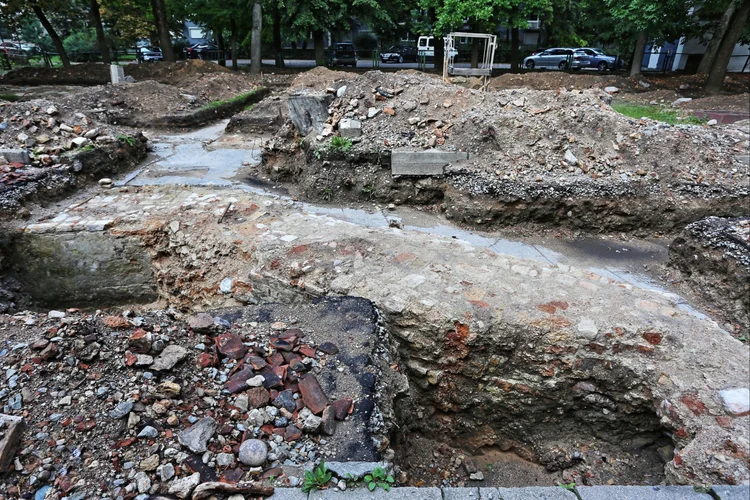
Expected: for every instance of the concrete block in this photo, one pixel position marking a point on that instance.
(309, 111)
(11, 430)
(117, 74)
(429, 162)
(15, 155)
(380, 494)
(641, 493)
(355, 469)
(288, 494)
(350, 128)
(460, 493)
(726, 492)
(531, 493)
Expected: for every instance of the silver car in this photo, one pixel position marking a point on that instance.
(560, 58)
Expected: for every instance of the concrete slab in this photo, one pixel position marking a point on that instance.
(532, 493)
(15, 155)
(116, 73)
(726, 492)
(11, 430)
(379, 494)
(460, 493)
(429, 162)
(288, 494)
(641, 492)
(309, 111)
(350, 128)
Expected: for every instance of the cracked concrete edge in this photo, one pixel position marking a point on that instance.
(721, 492)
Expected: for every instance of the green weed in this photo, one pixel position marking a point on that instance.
(127, 138)
(658, 113)
(317, 478)
(339, 143)
(379, 478)
(232, 100)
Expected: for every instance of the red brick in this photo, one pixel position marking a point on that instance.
(257, 397)
(694, 404)
(312, 394)
(653, 338)
(230, 345)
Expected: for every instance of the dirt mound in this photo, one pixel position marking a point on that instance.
(318, 78)
(173, 73)
(77, 74)
(554, 80)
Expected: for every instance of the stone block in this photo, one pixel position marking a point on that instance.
(429, 162)
(641, 493)
(460, 493)
(15, 155)
(531, 493)
(726, 492)
(350, 128)
(117, 74)
(309, 111)
(11, 430)
(380, 494)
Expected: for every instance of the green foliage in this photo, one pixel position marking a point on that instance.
(130, 140)
(81, 41)
(87, 148)
(317, 478)
(10, 97)
(232, 100)
(339, 143)
(378, 478)
(659, 113)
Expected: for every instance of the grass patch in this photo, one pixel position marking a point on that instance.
(339, 143)
(659, 113)
(234, 100)
(10, 97)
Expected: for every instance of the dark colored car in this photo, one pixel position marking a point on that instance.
(399, 54)
(343, 54)
(601, 61)
(202, 50)
(149, 54)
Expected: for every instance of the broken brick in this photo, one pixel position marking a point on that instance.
(312, 394)
(231, 346)
(342, 408)
(653, 338)
(140, 341)
(257, 397)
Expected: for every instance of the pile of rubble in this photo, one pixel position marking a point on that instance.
(713, 256)
(44, 145)
(119, 406)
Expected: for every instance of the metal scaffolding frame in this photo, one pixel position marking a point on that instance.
(483, 69)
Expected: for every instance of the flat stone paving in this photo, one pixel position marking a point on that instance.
(530, 493)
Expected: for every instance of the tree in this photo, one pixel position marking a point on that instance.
(56, 41)
(724, 52)
(452, 14)
(647, 20)
(96, 20)
(717, 34)
(161, 18)
(255, 55)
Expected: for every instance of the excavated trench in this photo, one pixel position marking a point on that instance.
(504, 392)
(522, 405)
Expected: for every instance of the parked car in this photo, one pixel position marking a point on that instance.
(343, 54)
(601, 61)
(426, 47)
(149, 54)
(559, 58)
(11, 49)
(201, 50)
(399, 54)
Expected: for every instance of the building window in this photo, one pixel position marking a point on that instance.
(196, 33)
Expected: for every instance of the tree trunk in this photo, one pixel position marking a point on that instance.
(724, 54)
(439, 54)
(162, 27)
(255, 52)
(716, 37)
(233, 42)
(320, 50)
(53, 35)
(475, 53)
(640, 46)
(278, 50)
(222, 59)
(96, 18)
(514, 48)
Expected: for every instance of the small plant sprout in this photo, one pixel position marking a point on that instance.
(317, 478)
(379, 478)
